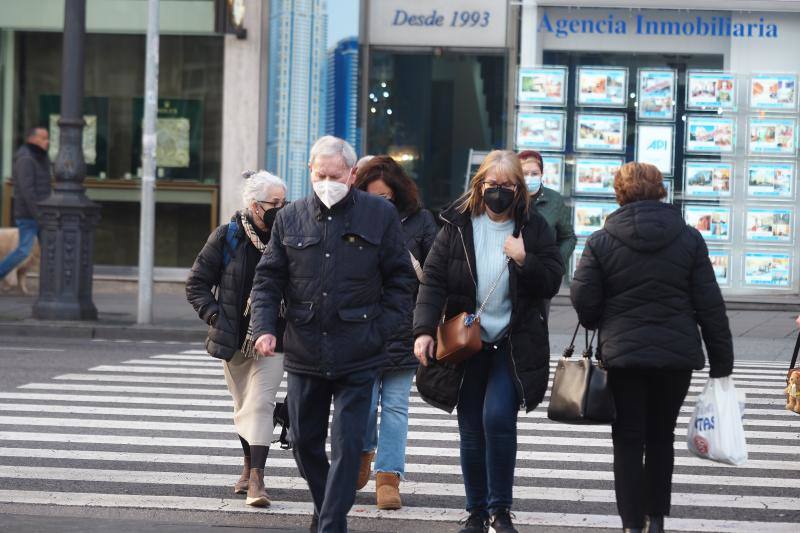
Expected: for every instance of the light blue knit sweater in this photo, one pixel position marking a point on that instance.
(489, 237)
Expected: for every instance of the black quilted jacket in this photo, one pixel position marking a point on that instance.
(646, 282)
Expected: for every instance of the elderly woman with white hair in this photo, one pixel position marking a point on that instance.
(228, 262)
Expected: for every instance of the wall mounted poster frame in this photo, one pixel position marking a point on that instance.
(708, 179)
(769, 225)
(541, 130)
(710, 89)
(179, 133)
(709, 134)
(656, 94)
(771, 179)
(773, 92)
(95, 132)
(553, 171)
(595, 175)
(768, 269)
(600, 132)
(775, 136)
(655, 144)
(602, 87)
(721, 263)
(713, 222)
(590, 216)
(542, 86)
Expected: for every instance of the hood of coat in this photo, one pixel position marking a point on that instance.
(646, 226)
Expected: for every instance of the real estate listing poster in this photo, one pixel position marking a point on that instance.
(721, 263)
(656, 94)
(771, 179)
(541, 130)
(600, 132)
(603, 86)
(713, 222)
(766, 224)
(543, 86)
(553, 171)
(595, 175)
(706, 134)
(707, 179)
(773, 136)
(773, 92)
(590, 216)
(710, 89)
(768, 269)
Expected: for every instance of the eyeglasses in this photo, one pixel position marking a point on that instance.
(278, 203)
(492, 185)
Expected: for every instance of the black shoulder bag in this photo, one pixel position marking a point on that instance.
(580, 392)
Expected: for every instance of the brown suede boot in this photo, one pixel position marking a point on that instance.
(387, 491)
(256, 492)
(365, 470)
(241, 485)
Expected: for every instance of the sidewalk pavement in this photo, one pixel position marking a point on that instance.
(765, 335)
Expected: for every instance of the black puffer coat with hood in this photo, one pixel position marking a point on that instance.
(646, 282)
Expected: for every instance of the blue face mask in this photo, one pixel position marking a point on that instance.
(533, 183)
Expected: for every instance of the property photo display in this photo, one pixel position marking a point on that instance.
(603, 86)
(553, 171)
(770, 179)
(541, 130)
(713, 222)
(721, 263)
(590, 216)
(656, 94)
(707, 179)
(576, 257)
(773, 92)
(706, 134)
(769, 225)
(708, 89)
(772, 136)
(669, 186)
(600, 132)
(543, 86)
(655, 145)
(768, 269)
(595, 175)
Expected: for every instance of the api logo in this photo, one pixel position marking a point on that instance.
(658, 145)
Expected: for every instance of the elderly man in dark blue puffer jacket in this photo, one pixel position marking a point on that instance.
(338, 260)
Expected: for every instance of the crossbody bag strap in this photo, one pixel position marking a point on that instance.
(493, 288)
(794, 354)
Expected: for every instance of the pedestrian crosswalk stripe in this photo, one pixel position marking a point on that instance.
(140, 400)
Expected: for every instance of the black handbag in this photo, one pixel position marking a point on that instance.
(580, 392)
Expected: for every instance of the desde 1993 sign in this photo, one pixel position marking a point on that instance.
(472, 23)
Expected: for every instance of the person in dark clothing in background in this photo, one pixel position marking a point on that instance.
(645, 281)
(31, 175)
(338, 260)
(384, 177)
(228, 261)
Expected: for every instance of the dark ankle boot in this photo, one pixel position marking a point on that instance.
(241, 485)
(654, 524)
(633, 530)
(256, 492)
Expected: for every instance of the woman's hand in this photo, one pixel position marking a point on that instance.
(423, 349)
(514, 247)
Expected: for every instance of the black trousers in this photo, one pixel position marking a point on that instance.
(332, 485)
(648, 402)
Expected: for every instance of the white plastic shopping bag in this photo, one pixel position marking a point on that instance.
(715, 430)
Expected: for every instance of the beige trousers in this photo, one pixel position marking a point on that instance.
(253, 384)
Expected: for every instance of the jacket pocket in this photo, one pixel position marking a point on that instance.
(360, 251)
(303, 255)
(300, 314)
(360, 314)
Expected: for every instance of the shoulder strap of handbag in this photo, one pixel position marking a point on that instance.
(493, 287)
(417, 266)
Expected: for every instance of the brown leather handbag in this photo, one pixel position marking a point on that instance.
(459, 338)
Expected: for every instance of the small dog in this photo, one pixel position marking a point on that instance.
(9, 237)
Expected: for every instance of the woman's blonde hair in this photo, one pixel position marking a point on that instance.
(504, 162)
(635, 182)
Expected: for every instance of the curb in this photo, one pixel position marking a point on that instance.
(84, 330)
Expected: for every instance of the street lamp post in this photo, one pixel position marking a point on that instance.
(68, 217)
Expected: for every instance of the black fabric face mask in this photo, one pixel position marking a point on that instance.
(269, 216)
(498, 199)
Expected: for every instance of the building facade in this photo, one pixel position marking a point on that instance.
(296, 110)
(342, 92)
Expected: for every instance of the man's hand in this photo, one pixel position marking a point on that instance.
(265, 345)
(423, 349)
(514, 247)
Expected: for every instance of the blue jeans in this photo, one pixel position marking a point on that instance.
(28, 231)
(487, 422)
(392, 388)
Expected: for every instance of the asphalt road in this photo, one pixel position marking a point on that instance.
(104, 435)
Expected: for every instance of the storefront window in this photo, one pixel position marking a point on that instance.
(427, 111)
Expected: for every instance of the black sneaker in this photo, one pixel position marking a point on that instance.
(476, 522)
(501, 522)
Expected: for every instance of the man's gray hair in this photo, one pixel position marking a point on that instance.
(257, 186)
(333, 146)
(363, 160)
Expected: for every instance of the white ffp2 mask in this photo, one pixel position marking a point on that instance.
(330, 192)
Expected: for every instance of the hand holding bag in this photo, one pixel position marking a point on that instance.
(580, 393)
(459, 338)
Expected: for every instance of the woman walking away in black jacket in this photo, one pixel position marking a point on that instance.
(384, 177)
(228, 262)
(646, 283)
(490, 239)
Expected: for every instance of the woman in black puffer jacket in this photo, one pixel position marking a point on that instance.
(382, 176)
(646, 283)
(228, 261)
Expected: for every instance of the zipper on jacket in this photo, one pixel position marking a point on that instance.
(516, 374)
(466, 256)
